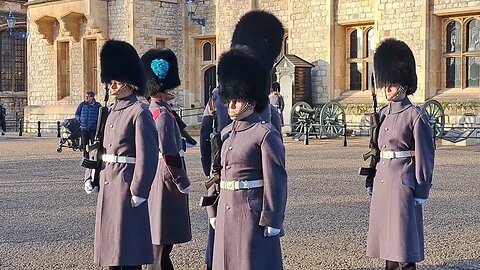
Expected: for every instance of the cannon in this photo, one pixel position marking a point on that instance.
(327, 120)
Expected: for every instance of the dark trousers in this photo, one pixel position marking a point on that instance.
(137, 267)
(87, 138)
(209, 251)
(162, 257)
(400, 266)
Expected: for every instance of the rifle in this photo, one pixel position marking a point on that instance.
(216, 146)
(374, 153)
(97, 163)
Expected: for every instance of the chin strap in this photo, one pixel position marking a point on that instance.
(244, 109)
(399, 92)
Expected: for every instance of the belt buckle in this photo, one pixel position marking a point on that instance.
(230, 185)
(245, 184)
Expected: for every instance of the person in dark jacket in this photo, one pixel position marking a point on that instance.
(404, 174)
(3, 124)
(87, 115)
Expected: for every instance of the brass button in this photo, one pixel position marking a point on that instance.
(386, 129)
(111, 126)
(106, 182)
(381, 181)
(384, 146)
(227, 207)
(230, 148)
(383, 162)
(109, 145)
(228, 167)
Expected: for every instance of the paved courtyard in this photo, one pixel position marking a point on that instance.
(47, 221)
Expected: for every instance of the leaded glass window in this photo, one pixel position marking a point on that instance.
(361, 46)
(12, 63)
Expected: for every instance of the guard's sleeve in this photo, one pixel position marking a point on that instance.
(275, 119)
(146, 154)
(205, 147)
(275, 181)
(424, 157)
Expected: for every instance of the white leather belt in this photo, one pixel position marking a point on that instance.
(240, 185)
(118, 159)
(396, 154)
(181, 153)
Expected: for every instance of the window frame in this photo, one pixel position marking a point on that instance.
(462, 55)
(213, 53)
(13, 60)
(364, 60)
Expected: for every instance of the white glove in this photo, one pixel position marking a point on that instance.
(185, 190)
(89, 188)
(369, 191)
(212, 221)
(270, 231)
(136, 201)
(419, 201)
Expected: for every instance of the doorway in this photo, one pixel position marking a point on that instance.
(209, 83)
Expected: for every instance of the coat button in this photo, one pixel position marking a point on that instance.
(109, 145)
(227, 207)
(263, 122)
(384, 146)
(230, 148)
(106, 182)
(381, 181)
(383, 162)
(111, 126)
(386, 129)
(228, 167)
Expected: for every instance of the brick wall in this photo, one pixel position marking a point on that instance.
(450, 4)
(347, 10)
(118, 18)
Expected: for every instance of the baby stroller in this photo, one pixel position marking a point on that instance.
(70, 134)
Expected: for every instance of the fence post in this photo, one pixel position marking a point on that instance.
(181, 113)
(58, 129)
(344, 143)
(39, 134)
(305, 141)
(20, 132)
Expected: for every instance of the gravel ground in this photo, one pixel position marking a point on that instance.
(47, 221)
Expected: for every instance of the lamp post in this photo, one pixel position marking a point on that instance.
(11, 20)
(191, 9)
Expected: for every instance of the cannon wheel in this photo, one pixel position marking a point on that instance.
(298, 126)
(332, 119)
(436, 116)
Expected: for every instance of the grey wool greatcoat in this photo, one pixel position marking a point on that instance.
(252, 151)
(169, 213)
(396, 224)
(122, 233)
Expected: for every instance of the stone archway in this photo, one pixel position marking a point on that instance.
(209, 82)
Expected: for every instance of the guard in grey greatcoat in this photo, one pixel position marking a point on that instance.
(215, 110)
(253, 195)
(276, 100)
(169, 213)
(404, 173)
(122, 227)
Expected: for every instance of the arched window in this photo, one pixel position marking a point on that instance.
(361, 44)
(462, 52)
(207, 52)
(12, 62)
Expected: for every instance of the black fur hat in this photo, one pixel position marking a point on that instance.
(242, 75)
(394, 63)
(120, 61)
(263, 33)
(161, 67)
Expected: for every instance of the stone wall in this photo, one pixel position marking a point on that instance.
(350, 10)
(118, 20)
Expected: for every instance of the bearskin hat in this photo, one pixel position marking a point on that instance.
(242, 75)
(394, 63)
(161, 68)
(120, 61)
(263, 33)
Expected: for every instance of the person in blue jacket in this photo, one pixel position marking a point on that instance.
(87, 115)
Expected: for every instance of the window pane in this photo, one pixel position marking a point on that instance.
(473, 29)
(207, 52)
(356, 76)
(370, 76)
(356, 44)
(453, 72)
(20, 64)
(6, 61)
(453, 37)
(371, 43)
(473, 73)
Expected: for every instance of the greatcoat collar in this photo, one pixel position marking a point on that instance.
(247, 122)
(125, 102)
(395, 107)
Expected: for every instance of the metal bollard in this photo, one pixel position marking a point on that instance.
(20, 124)
(344, 143)
(58, 129)
(181, 113)
(38, 129)
(305, 141)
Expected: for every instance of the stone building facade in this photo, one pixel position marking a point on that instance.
(337, 36)
(66, 38)
(13, 62)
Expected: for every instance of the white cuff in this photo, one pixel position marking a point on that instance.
(419, 201)
(270, 231)
(213, 222)
(136, 201)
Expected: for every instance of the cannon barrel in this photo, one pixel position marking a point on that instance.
(305, 110)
